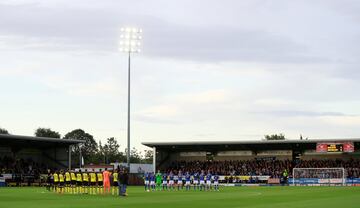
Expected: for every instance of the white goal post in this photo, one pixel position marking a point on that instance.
(319, 176)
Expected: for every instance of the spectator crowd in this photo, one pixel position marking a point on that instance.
(255, 167)
(263, 167)
(10, 165)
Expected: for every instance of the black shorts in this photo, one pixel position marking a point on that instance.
(56, 183)
(67, 183)
(79, 183)
(85, 183)
(115, 183)
(61, 184)
(100, 183)
(93, 183)
(73, 182)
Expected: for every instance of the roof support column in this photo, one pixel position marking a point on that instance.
(80, 159)
(154, 159)
(69, 163)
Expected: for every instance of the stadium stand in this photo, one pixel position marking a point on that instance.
(251, 161)
(272, 168)
(23, 158)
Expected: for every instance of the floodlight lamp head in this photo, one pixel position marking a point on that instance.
(130, 40)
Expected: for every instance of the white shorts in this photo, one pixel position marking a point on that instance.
(164, 182)
(171, 182)
(202, 182)
(188, 183)
(152, 183)
(196, 182)
(216, 183)
(146, 182)
(179, 182)
(208, 183)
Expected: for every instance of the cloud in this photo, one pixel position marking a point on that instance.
(342, 121)
(98, 88)
(160, 111)
(38, 27)
(294, 113)
(224, 70)
(179, 107)
(204, 98)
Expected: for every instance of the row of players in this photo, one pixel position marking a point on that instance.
(87, 182)
(170, 181)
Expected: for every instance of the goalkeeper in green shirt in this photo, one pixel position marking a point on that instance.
(158, 180)
(285, 177)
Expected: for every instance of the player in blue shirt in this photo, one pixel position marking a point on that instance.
(208, 181)
(187, 181)
(196, 180)
(152, 181)
(171, 181)
(202, 180)
(165, 180)
(216, 182)
(146, 181)
(176, 179)
(180, 182)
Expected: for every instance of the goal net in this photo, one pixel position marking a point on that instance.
(318, 176)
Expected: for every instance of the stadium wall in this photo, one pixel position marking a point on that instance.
(329, 156)
(180, 157)
(57, 157)
(5, 151)
(53, 157)
(223, 158)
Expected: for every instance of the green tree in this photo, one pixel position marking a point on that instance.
(3, 131)
(275, 137)
(110, 151)
(89, 149)
(135, 156)
(148, 156)
(46, 132)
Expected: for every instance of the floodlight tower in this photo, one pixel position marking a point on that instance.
(130, 43)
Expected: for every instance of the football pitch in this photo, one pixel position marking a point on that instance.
(236, 197)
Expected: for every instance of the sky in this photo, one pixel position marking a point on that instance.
(209, 70)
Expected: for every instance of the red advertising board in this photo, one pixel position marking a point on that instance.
(335, 147)
(349, 147)
(321, 147)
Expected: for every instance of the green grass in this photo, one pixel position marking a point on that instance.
(230, 197)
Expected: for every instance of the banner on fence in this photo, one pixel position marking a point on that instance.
(274, 181)
(323, 181)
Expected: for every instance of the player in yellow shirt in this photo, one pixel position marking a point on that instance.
(67, 182)
(56, 181)
(61, 182)
(92, 182)
(73, 182)
(85, 181)
(115, 187)
(100, 181)
(79, 182)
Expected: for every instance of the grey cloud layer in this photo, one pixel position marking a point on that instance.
(98, 30)
(301, 113)
(293, 56)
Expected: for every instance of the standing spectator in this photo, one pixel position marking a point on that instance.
(124, 181)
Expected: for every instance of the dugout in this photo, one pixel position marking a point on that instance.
(166, 152)
(55, 153)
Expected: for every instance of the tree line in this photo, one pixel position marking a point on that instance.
(92, 151)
